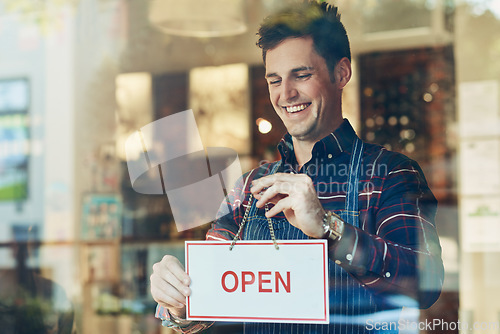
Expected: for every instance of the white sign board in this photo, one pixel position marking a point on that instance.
(480, 223)
(254, 282)
(479, 166)
(478, 108)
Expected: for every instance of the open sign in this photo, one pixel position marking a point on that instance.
(248, 278)
(255, 282)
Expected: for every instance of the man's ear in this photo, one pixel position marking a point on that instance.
(343, 72)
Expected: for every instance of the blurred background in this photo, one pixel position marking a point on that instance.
(77, 77)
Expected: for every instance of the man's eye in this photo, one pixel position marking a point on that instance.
(274, 82)
(303, 76)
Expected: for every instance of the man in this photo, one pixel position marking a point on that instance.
(373, 206)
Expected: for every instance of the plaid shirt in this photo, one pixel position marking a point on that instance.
(395, 250)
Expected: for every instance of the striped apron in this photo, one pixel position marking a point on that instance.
(351, 305)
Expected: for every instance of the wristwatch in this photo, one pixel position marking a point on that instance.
(175, 322)
(333, 226)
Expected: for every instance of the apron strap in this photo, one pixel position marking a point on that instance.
(351, 201)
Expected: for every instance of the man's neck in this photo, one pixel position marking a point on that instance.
(302, 150)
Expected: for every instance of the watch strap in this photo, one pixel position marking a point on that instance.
(333, 226)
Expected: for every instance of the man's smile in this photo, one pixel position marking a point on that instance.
(296, 108)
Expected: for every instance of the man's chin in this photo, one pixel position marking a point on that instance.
(304, 135)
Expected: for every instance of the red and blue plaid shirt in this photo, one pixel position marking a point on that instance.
(395, 250)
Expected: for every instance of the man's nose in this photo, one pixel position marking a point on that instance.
(289, 91)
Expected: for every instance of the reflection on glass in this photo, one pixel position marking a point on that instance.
(29, 301)
(378, 18)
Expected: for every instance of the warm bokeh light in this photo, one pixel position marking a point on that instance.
(264, 125)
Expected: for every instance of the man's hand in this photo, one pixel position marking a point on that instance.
(294, 194)
(170, 285)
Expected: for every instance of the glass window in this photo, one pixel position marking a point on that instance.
(86, 209)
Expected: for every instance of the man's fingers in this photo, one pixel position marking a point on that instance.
(166, 294)
(279, 206)
(267, 181)
(173, 266)
(280, 189)
(170, 283)
(174, 281)
(273, 194)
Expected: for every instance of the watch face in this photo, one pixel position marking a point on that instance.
(336, 226)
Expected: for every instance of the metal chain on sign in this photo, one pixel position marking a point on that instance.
(244, 220)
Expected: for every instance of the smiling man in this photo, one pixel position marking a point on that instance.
(306, 99)
(372, 205)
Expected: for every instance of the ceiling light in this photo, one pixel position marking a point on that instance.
(198, 18)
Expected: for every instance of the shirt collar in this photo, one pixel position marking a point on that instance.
(340, 140)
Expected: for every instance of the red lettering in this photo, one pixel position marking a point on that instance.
(261, 281)
(244, 281)
(264, 277)
(223, 281)
(278, 278)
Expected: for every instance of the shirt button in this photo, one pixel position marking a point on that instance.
(330, 156)
(338, 262)
(348, 257)
(387, 274)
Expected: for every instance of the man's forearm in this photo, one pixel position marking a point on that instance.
(387, 267)
(180, 325)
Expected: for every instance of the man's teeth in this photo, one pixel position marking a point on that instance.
(296, 108)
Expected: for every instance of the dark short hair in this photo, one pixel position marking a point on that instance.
(321, 21)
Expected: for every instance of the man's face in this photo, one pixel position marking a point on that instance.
(301, 91)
